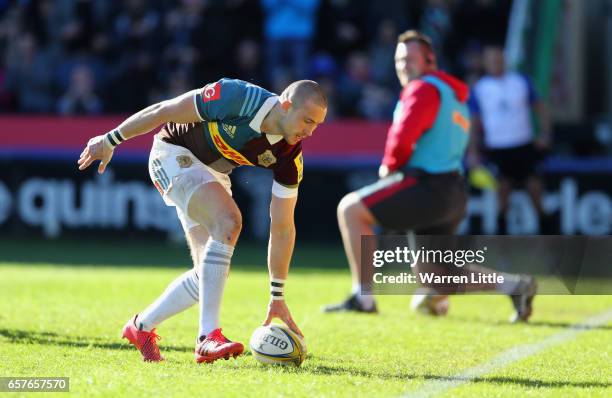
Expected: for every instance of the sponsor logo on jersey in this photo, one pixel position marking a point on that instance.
(229, 130)
(223, 147)
(184, 161)
(266, 159)
(461, 121)
(211, 92)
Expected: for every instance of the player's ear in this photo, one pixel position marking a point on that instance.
(286, 104)
(431, 58)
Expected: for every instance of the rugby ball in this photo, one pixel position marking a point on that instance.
(277, 344)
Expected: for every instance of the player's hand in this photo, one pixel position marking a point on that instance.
(278, 309)
(96, 149)
(383, 171)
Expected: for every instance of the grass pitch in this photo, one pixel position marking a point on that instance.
(64, 317)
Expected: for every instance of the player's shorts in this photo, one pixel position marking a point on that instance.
(177, 173)
(416, 201)
(515, 163)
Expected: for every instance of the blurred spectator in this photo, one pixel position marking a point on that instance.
(248, 62)
(339, 27)
(501, 103)
(436, 23)
(382, 55)
(9, 36)
(352, 83)
(289, 31)
(324, 70)
(136, 26)
(135, 38)
(136, 47)
(470, 63)
(81, 98)
(182, 27)
(376, 102)
(29, 75)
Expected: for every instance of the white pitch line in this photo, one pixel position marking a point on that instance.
(514, 354)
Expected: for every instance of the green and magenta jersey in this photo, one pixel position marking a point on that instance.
(229, 133)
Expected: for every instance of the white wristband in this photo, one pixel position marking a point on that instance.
(114, 138)
(277, 289)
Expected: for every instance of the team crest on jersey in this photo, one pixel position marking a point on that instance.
(229, 130)
(184, 161)
(266, 159)
(211, 92)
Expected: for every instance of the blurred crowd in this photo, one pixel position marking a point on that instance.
(74, 57)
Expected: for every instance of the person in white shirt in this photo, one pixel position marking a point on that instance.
(501, 103)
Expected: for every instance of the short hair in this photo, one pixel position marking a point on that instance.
(414, 35)
(300, 91)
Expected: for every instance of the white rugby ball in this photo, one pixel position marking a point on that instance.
(277, 344)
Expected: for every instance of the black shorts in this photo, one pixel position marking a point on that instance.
(418, 201)
(516, 163)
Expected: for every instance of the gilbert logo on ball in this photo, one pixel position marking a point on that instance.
(277, 344)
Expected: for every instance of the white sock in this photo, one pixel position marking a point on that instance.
(510, 283)
(367, 300)
(181, 294)
(213, 271)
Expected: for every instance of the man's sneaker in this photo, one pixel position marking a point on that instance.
(351, 304)
(216, 346)
(522, 298)
(427, 302)
(146, 342)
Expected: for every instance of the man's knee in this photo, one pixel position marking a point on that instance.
(228, 225)
(350, 208)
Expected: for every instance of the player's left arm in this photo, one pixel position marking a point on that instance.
(180, 109)
(544, 139)
(280, 250)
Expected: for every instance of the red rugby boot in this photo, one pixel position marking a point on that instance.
(146, 342)
(215, 346)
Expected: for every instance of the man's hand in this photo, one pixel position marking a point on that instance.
(96, 149)
(278, 309)
(383, 171)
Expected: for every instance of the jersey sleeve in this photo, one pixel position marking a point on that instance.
(290, 170)
(420, 103)
(531, 91)
(222, 99)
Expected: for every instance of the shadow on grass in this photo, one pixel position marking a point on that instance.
(548, 324)
(341, 371)
(524, 382)
(18, 336)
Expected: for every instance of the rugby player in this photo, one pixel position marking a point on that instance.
(421, 186)
(206, 133)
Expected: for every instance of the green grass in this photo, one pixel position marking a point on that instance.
(64, 319)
